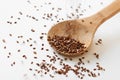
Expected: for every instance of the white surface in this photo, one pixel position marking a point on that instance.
(109, 32)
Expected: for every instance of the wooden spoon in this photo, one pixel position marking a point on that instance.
(83, 30)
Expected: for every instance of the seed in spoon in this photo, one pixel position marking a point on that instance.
(66, 45)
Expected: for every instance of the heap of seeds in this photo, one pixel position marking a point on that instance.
(66, 45)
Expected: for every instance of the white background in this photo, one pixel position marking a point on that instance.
(109, 32)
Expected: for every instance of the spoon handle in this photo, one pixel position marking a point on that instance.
(111, 10)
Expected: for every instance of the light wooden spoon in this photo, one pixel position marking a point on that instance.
(83, 30)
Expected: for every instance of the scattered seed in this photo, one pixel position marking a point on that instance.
(35, 57)
(32, 30)
(11, 17)
(5, 47)
(10, 35)
(31, 45)
(47, 49)
(35, 52)
(30, 69)
(4, 41)
(15, 22)
(24, 56)
(41, 37)
(20, 13)
(18, 50)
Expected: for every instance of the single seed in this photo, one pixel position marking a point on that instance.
(47, 49)
(41, 37)
(10, 34)
(30, 69)
(83, 21)
(31, 45)
(18, 50)
(24, 56)
(20, 13)
(17, 41)
(5, 47)
(42, 48)
(32, 62)
(34, 48)
(11, 17)
(35, 57)
(32, 30)
(15, 22)
(42, 44)
(4, 41)
(90, 22)
(34, 52)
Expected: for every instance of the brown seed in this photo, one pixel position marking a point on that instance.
(32, 62)
(42, 44)
(34, 48)
(88, 61)
(96, 43)
(90, 22)
(100, 41)
(47, 49)
(30, 38)
(81, 78)
(27, 40)
(44, 25)
(33, 17)
(98, 74)
(18, 50)
(37, 64)
(30, 69)
(11, 64)
(18, 18)
(17, 41)
(41, 37)
(5, 47)
(4, 41)
(24, 56)
(14, 63)
(11, 17)
(70, 59)
(9, 53)
(83, 57)
(32, 30)
(15, 22)
(31, 45)
(94, 69)
(8, 56)
(35, 57)
(51, 76)
(23, 42)
(20, 13)
(10, 34)
(35, 52)
(65, 58)
(83, 21)
(42, 48)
